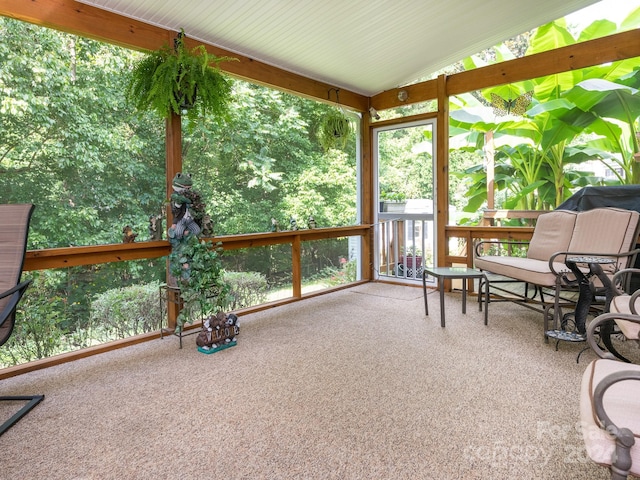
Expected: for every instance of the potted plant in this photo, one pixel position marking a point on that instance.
(178, 80)
(195, 264)
(335, 129)
(392, 201)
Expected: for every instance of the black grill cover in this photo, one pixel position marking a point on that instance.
(621, 196)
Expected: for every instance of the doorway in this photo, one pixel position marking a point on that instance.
(405, 240)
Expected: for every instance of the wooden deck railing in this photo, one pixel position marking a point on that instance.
(89, 255)
(472, 235)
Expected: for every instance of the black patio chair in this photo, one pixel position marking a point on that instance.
(14, 229)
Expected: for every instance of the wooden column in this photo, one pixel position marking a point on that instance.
(173, 165)
(442, 171)
(442, 176)
(489, 152)
(367, 196)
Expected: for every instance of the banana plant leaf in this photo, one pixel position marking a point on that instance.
(606, 99)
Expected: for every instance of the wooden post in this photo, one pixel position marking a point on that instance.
(296, 267)
(367, 196)
(441, 173)
(489, 151)
(173, 165)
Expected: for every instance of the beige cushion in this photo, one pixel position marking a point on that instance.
(605, 230)
(552, 234)
(622, 404)
(620, 304)
(524, 269)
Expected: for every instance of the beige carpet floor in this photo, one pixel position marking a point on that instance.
(357, 384)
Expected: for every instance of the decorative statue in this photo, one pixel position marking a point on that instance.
(195, 268)
(155, 227)
(188, 213)
(186, 206)
(127, 235)
(207, 226)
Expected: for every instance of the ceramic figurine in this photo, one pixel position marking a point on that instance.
(127, 235)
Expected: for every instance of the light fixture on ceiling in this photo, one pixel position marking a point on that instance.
(374, 114)
(403, 95)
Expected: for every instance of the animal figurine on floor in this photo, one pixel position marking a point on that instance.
(218, 332)
(127, 235)
(204, 338)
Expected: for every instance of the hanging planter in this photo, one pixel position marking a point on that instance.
(181, 81)
(336, 128)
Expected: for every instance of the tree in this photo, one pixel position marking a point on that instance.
(68, 142)
(265, 162)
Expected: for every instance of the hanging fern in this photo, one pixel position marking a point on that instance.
(335, 129)
(178, 80)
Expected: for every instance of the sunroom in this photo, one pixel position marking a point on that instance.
(358, 237)
(347, 246)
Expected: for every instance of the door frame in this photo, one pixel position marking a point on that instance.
(432, 121)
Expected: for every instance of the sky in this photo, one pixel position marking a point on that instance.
(614, 10)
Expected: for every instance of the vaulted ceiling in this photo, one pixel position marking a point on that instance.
(365, 46)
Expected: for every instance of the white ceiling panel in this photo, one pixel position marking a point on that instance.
(366, 46)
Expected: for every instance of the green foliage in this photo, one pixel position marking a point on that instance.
(335, 129)
(405, 164)
(336, 276)
(246, 289)
(69, 144)
(37, 333)
(195, 264)
(266, 162)
(124, 312)
(175, 80)
(576, 116)
(393, 196)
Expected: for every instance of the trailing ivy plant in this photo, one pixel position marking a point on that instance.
(178, 80)
(335, 129)
(195, 264)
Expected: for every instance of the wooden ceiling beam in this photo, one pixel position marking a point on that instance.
(612, 48)
(91, 22)
(419, 92)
